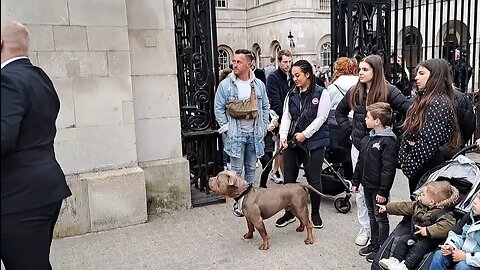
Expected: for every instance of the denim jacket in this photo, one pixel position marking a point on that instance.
(227, 91)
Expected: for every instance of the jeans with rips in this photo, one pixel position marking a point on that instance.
(248, 158)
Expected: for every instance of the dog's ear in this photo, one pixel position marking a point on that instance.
(232, 179)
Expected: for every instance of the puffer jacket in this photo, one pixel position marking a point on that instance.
(466, 236)
(421, 213)
(358, 130)
(436, 131)
(377, 162)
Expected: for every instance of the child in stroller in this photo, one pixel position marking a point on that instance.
(432, 218)
(461, 250)
(462, 173)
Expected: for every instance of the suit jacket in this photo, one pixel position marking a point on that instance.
(30, 174)
(260, 74)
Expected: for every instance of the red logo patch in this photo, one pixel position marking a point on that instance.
(315, 101)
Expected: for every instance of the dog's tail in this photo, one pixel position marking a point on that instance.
(305, 185)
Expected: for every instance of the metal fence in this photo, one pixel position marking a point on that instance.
(412, 31)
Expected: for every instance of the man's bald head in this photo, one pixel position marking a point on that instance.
(15, 40)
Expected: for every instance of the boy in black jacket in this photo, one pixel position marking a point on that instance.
(375, 170)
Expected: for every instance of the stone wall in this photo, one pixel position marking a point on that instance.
(113, 66)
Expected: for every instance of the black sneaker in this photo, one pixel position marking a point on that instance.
(366, 250)
(236, 211)
(286, 219)
(370, 257)
(317, 221)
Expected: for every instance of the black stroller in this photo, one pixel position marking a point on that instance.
(333, 184)
(462, 173)
(338, 168)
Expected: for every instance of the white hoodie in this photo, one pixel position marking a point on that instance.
(344, 83)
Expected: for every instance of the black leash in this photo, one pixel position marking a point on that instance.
(291, 143)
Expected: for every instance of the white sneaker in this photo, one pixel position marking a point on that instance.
(390, 263)
(275, 178)
(401, 266)
(362, 237)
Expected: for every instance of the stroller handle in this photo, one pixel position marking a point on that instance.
(465, 150)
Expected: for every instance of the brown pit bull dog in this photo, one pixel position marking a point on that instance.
(262, 203)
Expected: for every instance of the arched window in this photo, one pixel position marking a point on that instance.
(223, 58)
(326, 54)
(256, 52)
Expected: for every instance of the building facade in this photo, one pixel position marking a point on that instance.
(419, 29)
(118, 141)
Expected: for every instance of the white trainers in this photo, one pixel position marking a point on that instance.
(275, 178)
(390, 263)
(401, 266)
(362, 237)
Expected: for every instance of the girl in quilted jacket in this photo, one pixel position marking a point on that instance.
(431, 121)
(461, 251)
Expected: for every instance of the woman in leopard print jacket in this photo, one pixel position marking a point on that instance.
(430, 122)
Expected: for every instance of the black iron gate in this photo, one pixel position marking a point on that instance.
(195, 38)
(410, 31)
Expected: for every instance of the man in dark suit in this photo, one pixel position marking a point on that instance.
(259, 73)
(32, 182)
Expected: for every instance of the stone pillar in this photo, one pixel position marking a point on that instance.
(156, 104)
(84, 47)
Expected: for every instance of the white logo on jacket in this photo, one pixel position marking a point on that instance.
(376, 145)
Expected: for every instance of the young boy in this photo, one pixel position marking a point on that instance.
(432, 218)
(461, 250)
(375, 170)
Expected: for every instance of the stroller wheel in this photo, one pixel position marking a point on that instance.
(343, 205)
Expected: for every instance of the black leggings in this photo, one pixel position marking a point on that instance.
(266, 171)
(292, 158)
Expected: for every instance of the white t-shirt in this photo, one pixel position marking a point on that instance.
(244, 91)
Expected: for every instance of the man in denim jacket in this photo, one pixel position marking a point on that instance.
(244, 137)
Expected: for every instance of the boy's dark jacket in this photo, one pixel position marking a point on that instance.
(421, 213)
(377, 162)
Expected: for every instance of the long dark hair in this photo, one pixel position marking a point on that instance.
(439, 83)
(306, 68)
(378, 92)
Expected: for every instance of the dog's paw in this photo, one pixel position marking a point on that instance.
(308, 241)
(263, 246)
(248, 236)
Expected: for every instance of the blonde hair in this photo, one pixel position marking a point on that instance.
(438, 190)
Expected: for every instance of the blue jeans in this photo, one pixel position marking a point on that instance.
(248, 159)
(440, 262)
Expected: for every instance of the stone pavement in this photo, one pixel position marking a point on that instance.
(210, 237)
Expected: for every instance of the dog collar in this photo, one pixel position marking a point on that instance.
(243, 193)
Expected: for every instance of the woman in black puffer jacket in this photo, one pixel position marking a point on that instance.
(371, 88)
(359, 96)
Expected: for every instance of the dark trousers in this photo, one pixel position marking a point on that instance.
(266, 171)
(436, 160)
(292, 158)
(26, 238)
(413, 255)
(379, 224)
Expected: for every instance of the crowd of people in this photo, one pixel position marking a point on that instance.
(299, 119)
